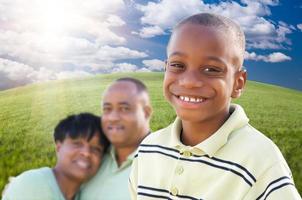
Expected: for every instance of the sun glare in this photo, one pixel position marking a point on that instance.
(51, 20)
(53, 16)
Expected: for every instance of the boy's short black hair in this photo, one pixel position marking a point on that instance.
(140, 86)
(220, 23)
(84, 125)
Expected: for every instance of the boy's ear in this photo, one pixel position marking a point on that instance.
(239, 83)
(165, 67)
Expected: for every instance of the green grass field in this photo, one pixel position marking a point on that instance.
(28, 115)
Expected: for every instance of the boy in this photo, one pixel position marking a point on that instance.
(80, 144)
(210, 151)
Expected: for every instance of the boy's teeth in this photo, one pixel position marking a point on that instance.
(190, 99)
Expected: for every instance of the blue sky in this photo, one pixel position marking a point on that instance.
(59, 39)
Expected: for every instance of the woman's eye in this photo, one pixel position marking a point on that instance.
(96, 150)
(77, 143)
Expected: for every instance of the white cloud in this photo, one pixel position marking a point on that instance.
(149, 31)
(167, 12)
(124, 67)
(14, 73)
(299, 26)
(144, 69)
(271, 58)
(250, 14)
(154, 64)
(72, 74)
(50, 36)
(115, 53)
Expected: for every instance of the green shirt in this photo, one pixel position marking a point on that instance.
(36, 184)
(111, 181)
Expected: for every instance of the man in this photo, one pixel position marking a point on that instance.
(125, 121)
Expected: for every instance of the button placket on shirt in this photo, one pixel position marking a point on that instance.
(179, 170)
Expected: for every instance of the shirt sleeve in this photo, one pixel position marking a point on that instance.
(17, 189)
(276, 183)
(133, 179)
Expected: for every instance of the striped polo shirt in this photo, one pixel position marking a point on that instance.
(236, 162)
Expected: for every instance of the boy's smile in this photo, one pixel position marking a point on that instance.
(202, 73)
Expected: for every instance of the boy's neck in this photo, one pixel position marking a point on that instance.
(194, 133)
(68, 187)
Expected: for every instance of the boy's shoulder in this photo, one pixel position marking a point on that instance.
(254, 142)
(248, 147)
(161, 136)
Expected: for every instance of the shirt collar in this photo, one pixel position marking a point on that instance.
(212, 144)
(129, 159)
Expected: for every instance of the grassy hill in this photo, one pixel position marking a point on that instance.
(28, 115)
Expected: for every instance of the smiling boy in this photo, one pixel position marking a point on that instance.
(80, 144)
(210, 151)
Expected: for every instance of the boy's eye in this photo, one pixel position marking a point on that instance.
(173, 66)
(212, 71)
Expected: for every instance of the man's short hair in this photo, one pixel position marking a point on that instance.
(140, 86)
(83, 125)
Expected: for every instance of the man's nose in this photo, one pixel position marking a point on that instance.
(113, 115)
(191, 79)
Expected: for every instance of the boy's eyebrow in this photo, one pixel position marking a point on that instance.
(216, 59)
(177, 53)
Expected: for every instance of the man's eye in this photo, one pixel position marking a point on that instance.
(125, 109)
(106, 109)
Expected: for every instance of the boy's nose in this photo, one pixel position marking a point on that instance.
(191, 79)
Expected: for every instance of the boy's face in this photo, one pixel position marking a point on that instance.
(79, 158)
(202, 73)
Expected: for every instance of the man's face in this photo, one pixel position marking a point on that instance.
(201, 74)
(124, 117)
(78, 158)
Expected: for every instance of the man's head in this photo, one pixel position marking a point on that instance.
(204, 67)
(126, 112)
(80, 144)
